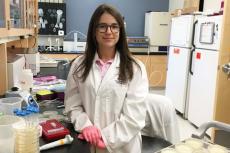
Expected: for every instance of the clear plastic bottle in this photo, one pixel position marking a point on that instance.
(26, 80)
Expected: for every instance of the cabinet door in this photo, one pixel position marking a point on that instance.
(156, 69)
(3, 18)
(22, 13)
(2, 14)
(18, 17)
(3, 68)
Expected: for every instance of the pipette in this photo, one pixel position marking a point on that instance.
(67, 140)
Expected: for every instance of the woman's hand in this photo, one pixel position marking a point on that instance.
(101, 144)
(91, 134)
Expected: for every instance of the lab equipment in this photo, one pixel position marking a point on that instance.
(13, 92)
(53, 130)
(45, 95)
(32, 61)
(28, 98)
(49, 113)
(169, 150)
(8, 105)
(7, 122)
(157, 28)
(74, 45)
(27, 138)
(138, 44)
(197, 144)
(206, 147)
(26, 81)
(15, 65)
(194, 143)
(67, 140)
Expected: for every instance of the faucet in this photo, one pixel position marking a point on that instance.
(58, 44)
(50, 44)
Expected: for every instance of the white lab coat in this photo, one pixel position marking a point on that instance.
(161, 118)
(118, 110)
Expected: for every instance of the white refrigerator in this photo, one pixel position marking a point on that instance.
(181, 38)
(203, 70)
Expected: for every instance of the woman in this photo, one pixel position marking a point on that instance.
(106, 88)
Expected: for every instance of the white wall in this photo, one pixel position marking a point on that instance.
(175, 4)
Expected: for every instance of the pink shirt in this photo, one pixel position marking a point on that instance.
(103, 66)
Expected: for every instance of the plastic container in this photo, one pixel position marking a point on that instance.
(27, 139)
(183, 148)
(201, 150)
(7, 138)
(8, 105)
(194, 143)
(26, 80)
(217, 149)
(168, 150)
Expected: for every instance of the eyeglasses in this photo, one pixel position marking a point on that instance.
(103, 27)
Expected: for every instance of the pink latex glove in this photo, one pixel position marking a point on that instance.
(91, 134)
(80, 136)
(101, 144)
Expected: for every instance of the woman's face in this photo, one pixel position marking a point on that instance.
(107, 32)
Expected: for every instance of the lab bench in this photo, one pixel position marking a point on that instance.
(149, 144)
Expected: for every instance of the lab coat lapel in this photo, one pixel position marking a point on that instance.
(111, 72)
(95, 76)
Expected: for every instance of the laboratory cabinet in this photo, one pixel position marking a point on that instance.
(18, 17)
(18, 32)
(156, 69)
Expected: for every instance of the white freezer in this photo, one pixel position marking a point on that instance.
(181, 31)
(157, 28)
(202, 86)
(177, 75)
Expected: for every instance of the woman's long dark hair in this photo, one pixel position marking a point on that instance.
(126, 60)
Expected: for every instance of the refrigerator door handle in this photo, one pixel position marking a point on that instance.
(190, 61)
(194, 46)
(193, 33)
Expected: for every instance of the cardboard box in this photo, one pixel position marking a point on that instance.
(190, 6)
(176, 12)
(189, 10)
(192, 3)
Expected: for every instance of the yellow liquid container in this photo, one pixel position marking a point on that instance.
(27, 139)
